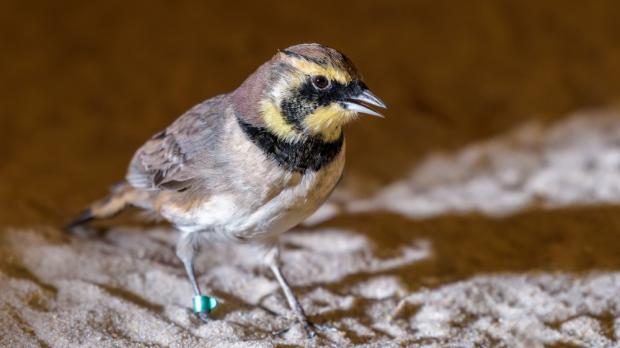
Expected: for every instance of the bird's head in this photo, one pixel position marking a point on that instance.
(306, 90)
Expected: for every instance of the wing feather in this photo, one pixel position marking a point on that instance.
(168, 161)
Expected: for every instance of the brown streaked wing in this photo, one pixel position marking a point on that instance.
(170, 160)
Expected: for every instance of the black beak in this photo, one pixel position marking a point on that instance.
(358, 100)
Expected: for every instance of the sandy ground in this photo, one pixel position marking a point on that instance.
(443, 278)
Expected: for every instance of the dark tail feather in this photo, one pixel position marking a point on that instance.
(85, 216)
(122, 196)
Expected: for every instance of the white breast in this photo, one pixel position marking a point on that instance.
(263, 200)
(293, 204)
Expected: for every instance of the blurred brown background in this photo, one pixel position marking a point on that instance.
(83, 84)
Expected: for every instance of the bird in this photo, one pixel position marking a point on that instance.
(248, 165)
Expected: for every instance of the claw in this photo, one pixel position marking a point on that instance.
(324, 327)
(204, 317)
(310, 328)
(281, 332)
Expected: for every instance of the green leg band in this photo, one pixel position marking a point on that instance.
(204, 304)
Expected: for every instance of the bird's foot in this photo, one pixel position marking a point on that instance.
(204, 317)
(203, 305)
(310, 328)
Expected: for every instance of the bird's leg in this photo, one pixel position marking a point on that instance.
(274, 265)
(272, 260)
(189, 269)
(186, 250)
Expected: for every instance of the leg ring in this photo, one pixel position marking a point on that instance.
(204, 304)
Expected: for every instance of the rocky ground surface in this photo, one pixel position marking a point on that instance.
(507, 242)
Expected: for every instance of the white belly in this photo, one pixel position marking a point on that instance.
(259, 213)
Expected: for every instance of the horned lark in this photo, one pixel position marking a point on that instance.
(251, 164)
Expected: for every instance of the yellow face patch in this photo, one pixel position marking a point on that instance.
(313, 69)
(328, 121)
(276, 122)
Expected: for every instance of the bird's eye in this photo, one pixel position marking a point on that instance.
(320, 82)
